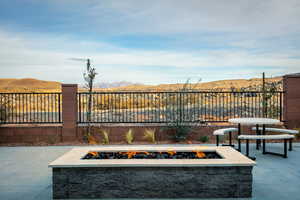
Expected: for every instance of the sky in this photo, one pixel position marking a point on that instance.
(150, 42)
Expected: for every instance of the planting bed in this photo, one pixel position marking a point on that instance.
(120, 172)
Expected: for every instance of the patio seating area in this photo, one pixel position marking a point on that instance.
(287, 135)
(25, 173)
(161, 120)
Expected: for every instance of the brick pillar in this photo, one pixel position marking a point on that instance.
(69, 112)
(291, 100)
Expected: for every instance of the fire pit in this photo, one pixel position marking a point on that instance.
(170, 154)
(152, 172)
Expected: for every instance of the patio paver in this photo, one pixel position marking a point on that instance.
(25, 174)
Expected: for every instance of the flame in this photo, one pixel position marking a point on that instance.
(93, 153)
(145, 152)
(171, 152)
(130, 154)
(199, 154)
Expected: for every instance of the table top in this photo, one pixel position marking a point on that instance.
(254, 121)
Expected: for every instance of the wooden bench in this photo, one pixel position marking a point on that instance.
(222, 132)
(285, 137)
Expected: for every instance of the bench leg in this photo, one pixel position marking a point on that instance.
(217, 139)
(264, 146)
(247, 151)
(239, 145)
(278, 154)
(247, 148)
(230, 140)
(285, 148)
(257, 133)
(257, 144)
(291, 145)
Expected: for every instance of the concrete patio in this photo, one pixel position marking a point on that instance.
(25, 174)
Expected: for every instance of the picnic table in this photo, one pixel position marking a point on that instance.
(254, 121)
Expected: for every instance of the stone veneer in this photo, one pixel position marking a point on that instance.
(152, 182)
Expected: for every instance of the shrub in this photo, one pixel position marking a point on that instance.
(179, 122)
(105, 139)
(204, 139)
(297, 135)
(92, 140)
(181, 131)
(129, 136)
(51, 139)
(149, 135)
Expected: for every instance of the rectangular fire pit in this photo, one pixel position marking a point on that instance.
(223, 172)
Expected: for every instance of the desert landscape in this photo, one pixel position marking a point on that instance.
(34, 85)
(31, 100)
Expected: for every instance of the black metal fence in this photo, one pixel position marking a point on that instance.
(141, 107)
(164, 107)
(23, 108)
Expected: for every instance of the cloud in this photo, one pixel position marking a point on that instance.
(149, 41)
(253, 18)
(35, 56)
(256, 18)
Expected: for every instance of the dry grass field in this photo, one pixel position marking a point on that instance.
(34, 85)
(28, 85)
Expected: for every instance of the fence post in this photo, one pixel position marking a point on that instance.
(291, 100)
(180, 107)
(69, 112)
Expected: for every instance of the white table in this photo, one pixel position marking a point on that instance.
(254, 121)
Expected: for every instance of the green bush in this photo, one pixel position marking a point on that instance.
(180, 132)
(204, 139)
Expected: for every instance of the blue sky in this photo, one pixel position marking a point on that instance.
(151, 42)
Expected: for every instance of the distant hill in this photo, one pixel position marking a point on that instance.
(116, 84)
(34, 85)
(215, 85)
(28, 85)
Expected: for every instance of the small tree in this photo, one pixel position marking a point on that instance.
(89, 76)
(180, 122)
(271, 106)
(269, 89)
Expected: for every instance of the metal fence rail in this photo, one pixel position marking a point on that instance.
(24, 108)
(164, 107)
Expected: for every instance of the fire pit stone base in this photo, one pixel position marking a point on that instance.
(152, 182)
(230, 175)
